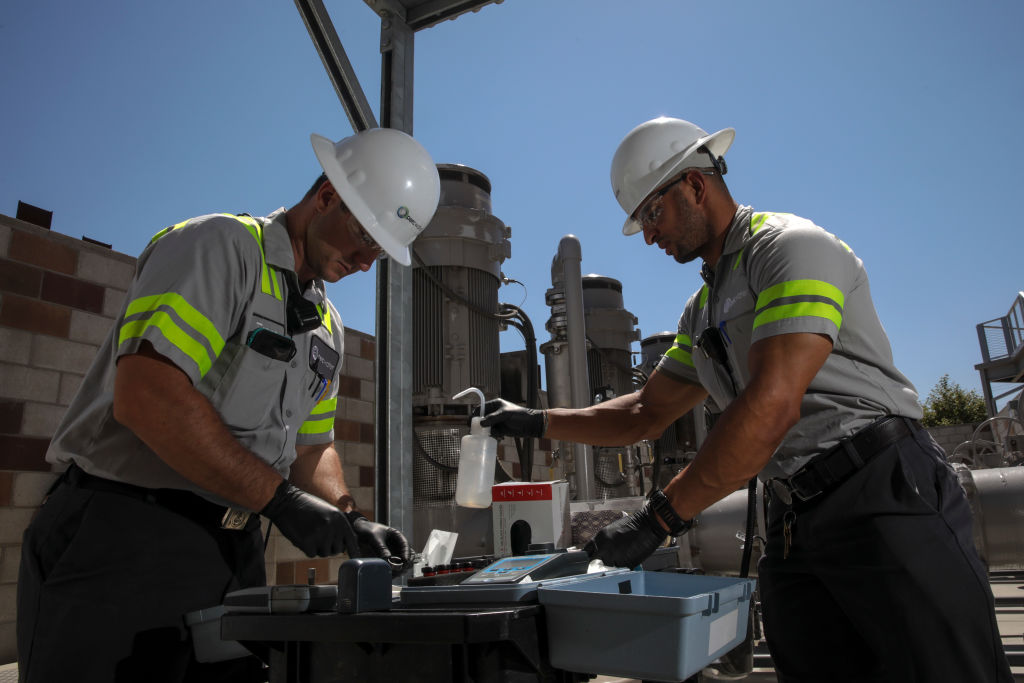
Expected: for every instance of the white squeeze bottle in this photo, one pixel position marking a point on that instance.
(477, 455)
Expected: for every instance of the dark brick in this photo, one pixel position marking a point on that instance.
(6, 488)
(366, 476)
(284, 573)
(35, 316)
(366, 433)
(23, 453)
(20, 278)
(368, 349)
(10, 417)
(42, 252)
(300, 570)
(65, 290)
(346, 430)
(349, 387)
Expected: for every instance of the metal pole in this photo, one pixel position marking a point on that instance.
(571, 255)
(339, 69)
(394, 428)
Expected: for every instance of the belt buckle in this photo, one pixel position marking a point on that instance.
(234, 520)
(798, 491)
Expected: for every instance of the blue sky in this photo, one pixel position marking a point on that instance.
(895, 125)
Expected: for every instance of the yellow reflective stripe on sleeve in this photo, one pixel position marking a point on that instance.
(703, 296)
(680, 354)
(803, 309)
(186, 311)
(736, 263)
(174, 334)
(801, 288)
(166, 230)
(323, 424)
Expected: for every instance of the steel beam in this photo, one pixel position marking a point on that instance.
(394, 435)
(339, 69)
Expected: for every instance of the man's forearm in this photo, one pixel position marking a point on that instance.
(159, 404)
(318, 470)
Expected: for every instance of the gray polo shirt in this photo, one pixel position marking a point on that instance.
(208, 294)
(779, 274)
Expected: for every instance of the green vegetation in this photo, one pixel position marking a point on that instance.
(950, 404)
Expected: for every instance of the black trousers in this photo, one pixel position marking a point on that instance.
(105, 580)
(882, 581)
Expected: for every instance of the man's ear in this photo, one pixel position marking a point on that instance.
(326, 196)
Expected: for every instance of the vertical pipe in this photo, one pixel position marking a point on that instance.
(571, 255)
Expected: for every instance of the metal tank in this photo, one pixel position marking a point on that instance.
(610, 333)
(456, 274)
(678, 445)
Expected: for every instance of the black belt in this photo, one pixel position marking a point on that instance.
(184, 503)
(831, 468)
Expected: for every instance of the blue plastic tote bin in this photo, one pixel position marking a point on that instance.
(653, 625)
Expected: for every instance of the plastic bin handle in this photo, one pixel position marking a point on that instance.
(714, 603)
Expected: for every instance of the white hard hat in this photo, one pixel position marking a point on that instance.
(655, 152)
(387, 180)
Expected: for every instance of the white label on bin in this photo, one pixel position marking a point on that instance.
(723, 631)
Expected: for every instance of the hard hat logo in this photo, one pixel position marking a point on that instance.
(403, 212)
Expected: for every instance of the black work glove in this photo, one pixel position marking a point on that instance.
(508, 419)
(378, 540)
(628, 541)
(316, 527)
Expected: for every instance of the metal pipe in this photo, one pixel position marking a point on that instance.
(570, 254)
(997, 504)
(996, 497)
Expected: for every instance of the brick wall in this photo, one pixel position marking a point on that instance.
(58, 300)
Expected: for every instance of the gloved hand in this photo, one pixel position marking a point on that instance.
(315, 526)
(508, 419)
(628, 541)
(381, 541)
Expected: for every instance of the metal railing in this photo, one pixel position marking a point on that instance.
(1002, 337)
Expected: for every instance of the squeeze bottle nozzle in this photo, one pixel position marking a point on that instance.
(477, 455)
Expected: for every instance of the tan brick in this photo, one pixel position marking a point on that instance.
(105, 270)
(359, 367)
(15, 345)
(19, 381)
(364, 499)
(69, 384)
(8, 643)
(360, 411)
(358, 454)
(12, 524)
(61, 354)
(351, 473)
(41, 419)
(10, 558)
(30, 487)
(367, 390)
(89, 328)
(8, 599)
(113, 301)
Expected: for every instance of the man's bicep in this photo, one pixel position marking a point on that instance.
(785, 364)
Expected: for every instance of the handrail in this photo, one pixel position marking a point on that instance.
(1002, 337)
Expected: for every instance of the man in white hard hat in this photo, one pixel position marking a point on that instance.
(870, 571)
(212, 402)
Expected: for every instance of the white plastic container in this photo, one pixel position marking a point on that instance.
(477, 454)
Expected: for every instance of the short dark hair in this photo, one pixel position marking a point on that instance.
(321, 179)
